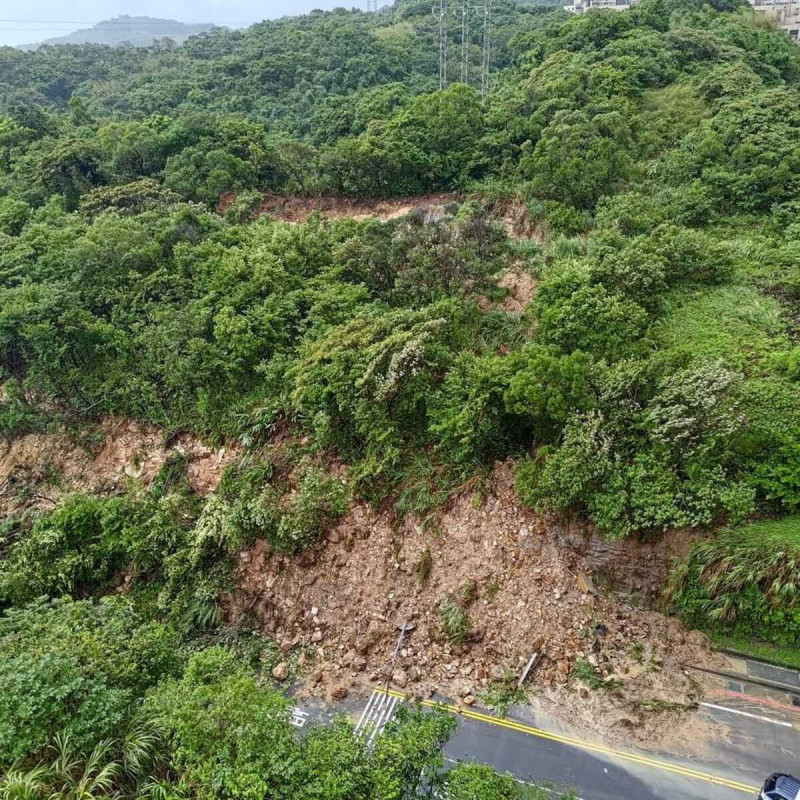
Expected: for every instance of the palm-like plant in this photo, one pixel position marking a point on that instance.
(132, 767)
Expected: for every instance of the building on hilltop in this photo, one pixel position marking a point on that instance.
(582, 6)
(786, 13)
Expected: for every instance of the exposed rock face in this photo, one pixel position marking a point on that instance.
(628, 565)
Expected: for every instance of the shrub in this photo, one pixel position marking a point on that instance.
(75, 667)
(228, 736)
(66, 552)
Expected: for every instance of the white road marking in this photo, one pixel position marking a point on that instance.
(367, 710)
(386, 714)
(377, 714)
(746, 714)
(299, 718)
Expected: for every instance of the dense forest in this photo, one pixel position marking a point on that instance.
(650, 385)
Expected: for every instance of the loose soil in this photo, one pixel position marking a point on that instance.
(38, 470)
(342, 603)
(299, 208)
(521, 286)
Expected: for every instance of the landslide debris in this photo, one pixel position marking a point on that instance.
(37, 470)
(520, 590)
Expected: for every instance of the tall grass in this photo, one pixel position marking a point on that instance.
(763, 557)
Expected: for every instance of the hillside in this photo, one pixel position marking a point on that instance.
(297, 346)
(136, 31)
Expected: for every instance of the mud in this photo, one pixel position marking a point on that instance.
(343, 602)
(521, 286)
(37, 470)
(299, 209)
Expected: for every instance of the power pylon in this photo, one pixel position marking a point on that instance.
(444, 12)
(465, 41)
(487, 48)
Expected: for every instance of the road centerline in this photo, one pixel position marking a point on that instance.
(584, 745)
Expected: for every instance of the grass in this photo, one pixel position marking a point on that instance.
(738, 324)
(501, 695)
(780, 655)
(764, 555)
(423, 567)
(455, 621)
(637, 651)
(743, 588)
(584, 672)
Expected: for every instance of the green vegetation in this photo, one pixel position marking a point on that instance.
(743, 584)
(650, 383)
(584, 672)
(455, 621)
(501, 695)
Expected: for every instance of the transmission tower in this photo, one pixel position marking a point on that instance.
(444, 12)
(465, 9)
(487, 48)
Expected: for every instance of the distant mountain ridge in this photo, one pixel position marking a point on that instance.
(139, 31)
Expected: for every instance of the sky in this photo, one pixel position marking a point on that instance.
(42, 19)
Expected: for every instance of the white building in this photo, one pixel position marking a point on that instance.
(582, 6)
(785, 12)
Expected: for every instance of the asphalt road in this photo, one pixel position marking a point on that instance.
(761, 736)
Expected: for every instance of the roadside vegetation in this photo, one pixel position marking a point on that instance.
(651, 382)
(742, 585)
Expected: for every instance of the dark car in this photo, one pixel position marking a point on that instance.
(780, 787)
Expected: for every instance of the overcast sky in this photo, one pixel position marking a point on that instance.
(35, 20)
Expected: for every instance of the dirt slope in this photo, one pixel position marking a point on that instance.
(37, 470)
(345, 600)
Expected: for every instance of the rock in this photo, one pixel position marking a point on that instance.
(317, 635)
(281, 671)
(315, 676)
(359, 663)
(400, 678)
(339, 692)
(496, 672)
(585, 584)
(413, 674)
(314, 611)
(697, 639)
(348, 657)
(469, 700)
(333, 536)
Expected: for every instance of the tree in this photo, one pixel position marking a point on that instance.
(76, 667)
(228, 736)
(579, 158)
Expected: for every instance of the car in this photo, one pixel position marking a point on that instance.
(780, 787)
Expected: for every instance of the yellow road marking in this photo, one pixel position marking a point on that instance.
(594, 748)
